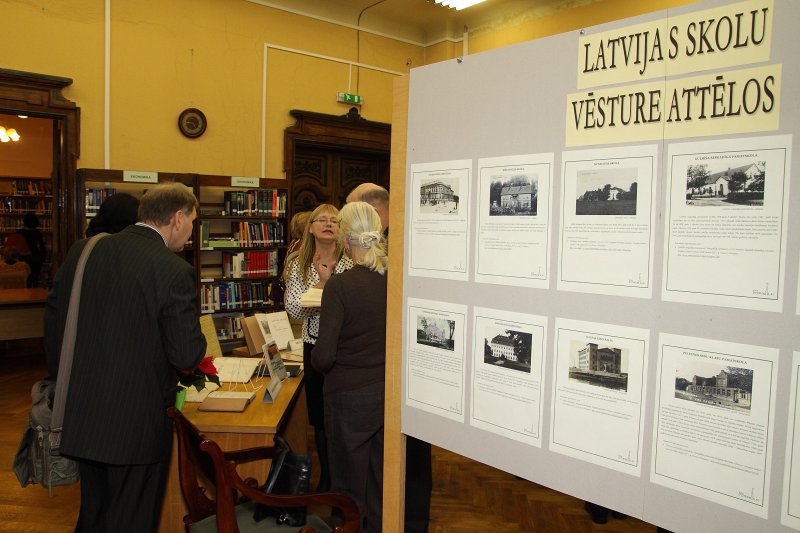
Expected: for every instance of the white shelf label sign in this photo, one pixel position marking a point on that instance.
(242, 181)
(138, 176)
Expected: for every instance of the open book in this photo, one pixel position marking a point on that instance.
(263, 328)
(311, 298)
(236, 369)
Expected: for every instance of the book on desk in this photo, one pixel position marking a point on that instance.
(228, 401)
(241, 370)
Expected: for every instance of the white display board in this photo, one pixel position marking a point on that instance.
(601, 269)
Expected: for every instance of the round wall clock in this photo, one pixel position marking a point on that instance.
(192, 123)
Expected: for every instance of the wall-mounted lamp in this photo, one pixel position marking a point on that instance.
(9, 134)
(458, 4)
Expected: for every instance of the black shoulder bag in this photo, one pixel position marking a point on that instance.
(38, 459)
(289, 473)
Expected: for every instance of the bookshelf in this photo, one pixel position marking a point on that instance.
(99, 184)
(20, 196)
(241, 229)
(242, 236)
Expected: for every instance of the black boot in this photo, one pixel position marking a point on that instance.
(321, 442)
(597, 513)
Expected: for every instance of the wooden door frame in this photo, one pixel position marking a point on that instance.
(39, 95)
(350, 132)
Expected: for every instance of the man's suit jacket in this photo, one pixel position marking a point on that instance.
(137, 323)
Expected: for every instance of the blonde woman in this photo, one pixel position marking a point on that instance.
(319, 257)
(351, 352)
(297, 228)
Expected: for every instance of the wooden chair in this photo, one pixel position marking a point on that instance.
(13, 279)
(232, 511)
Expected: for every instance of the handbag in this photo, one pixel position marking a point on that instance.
(38, 459)
(290, 473)
(35, 461)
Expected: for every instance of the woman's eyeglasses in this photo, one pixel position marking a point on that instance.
(324, 220)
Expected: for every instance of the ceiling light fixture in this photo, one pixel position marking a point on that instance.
(9, 134)
(458, 4)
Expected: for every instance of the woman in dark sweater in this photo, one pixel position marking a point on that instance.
(116, 213)
(37, 249)
(351, 352)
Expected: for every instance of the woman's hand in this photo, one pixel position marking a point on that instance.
(324, 271)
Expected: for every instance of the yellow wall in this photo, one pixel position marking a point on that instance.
(554, 21)
(61, 39)
(167, 56)
(442, 51)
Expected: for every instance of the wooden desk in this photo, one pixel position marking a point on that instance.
(21, 313)
(256, 426)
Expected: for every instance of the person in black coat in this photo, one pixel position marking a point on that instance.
(351, 352)
(116, 213)
(138, 324)
(419, 468)
(35, 241)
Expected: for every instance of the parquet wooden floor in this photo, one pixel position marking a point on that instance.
(472, 497)
(468, 497)
(28, 510)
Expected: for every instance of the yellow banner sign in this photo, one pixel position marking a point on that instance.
(739, 101)
(728, 36)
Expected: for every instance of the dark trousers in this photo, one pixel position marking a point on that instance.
(313, 382)
(419, 483)
(354, 426)
(121, 498)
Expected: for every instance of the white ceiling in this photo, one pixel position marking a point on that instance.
(421, 21)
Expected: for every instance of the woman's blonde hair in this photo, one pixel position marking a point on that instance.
(298, 224)
(305, 256)
(361, 225)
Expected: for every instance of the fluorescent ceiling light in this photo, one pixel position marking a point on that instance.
(458, 4)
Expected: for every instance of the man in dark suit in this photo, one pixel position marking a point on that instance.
(137, 324)
(419, 477)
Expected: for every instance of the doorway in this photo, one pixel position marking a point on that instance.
(26, 194)
(53, 123)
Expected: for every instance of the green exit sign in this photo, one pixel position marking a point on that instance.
(349, 98)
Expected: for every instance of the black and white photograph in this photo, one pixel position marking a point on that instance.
(601, 365)
(730, 387)
(506, 348)
(515, 195)
(598, 393)
(606, 191)
(439, 196)
(606, 239)
(718, 184)
(436, 332)
(439, 226)
(434, 358)
(726, 231)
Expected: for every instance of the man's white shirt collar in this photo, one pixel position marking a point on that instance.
(154, 229)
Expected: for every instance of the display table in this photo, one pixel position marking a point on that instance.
(256, 426)
(21, 313)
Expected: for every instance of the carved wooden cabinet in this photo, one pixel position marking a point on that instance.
(327, 156)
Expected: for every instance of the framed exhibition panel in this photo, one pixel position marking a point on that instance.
(599, 287)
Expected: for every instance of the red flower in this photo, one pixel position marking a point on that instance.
(207, 367)
(197, 376)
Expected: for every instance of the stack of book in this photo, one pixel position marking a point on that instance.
(250, 264)
(256, 202)
(234, 295)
